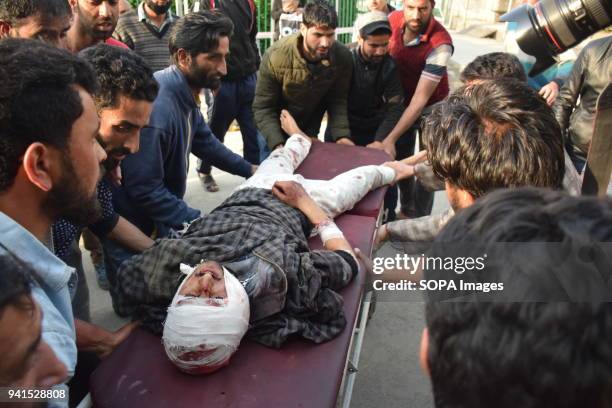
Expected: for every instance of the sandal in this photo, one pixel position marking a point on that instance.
(209, 183)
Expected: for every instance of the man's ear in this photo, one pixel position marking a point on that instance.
(303, 30)
(38, 162)
(183, 59)
(423, 351)
(5, 29)
(458, 197)
(73, 4)
(359, 40)
(468, 199)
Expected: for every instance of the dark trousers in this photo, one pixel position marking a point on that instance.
(78, 385)
(235, 101)
(415, 200)
(114, 255)
(80, 301)
(578, 161)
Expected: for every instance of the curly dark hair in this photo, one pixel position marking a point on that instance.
(12, 11)
(15, 280)
(495, 134)
(527, 354)
(199, 32)
(121, 72)
(320, 13)
(38, 100)
(494, 65)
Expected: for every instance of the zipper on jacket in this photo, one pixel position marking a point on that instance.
(277, 267)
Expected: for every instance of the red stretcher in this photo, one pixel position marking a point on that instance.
(300, 374)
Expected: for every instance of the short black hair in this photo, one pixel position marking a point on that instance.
(15, 280)
(319, 13)
(495, 134)
(199, 32)
(12, 11)
(525, 354)
(38, 100)
(120, 72)
(494, 65)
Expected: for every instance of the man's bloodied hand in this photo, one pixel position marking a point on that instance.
(294, 195)
(291, 193)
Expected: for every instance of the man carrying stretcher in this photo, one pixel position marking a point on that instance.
(252, 268)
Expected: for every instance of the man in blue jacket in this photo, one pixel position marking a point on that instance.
(154, 179)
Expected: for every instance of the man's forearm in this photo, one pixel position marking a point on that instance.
(316, 216)
(128, 235)
(425, 88)
(313, 212)
(410, 115)
(92, 338)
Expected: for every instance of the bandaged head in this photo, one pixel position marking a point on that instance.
(201, 333)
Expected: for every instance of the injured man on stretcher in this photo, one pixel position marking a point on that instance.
(246, 267)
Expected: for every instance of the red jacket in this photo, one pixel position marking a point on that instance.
(410, 61)
(116, 43)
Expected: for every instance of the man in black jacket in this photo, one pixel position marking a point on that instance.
(235, 96)
(590, 75)
(376, 95)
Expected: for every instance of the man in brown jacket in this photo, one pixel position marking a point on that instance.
(307, 73)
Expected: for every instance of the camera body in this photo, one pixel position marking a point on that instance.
(552, 26)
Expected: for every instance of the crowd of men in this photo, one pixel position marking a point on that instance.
(101, 107)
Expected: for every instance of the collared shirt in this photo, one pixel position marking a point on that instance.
(65, 232)
(50, 291)
(142, 16)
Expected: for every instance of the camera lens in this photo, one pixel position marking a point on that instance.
(552, 26)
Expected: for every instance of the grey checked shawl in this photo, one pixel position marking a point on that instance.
(249, 221)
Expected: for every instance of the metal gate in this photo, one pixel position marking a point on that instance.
(346, 9)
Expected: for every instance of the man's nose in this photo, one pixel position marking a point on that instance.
(206, 285)
(222, 68)
(50, 370)
(105, 9)
(100, 152)
(133, 143)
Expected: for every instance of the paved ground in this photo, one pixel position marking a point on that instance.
(389, 373)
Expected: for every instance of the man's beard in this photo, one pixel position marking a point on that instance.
(111, 162)
(156, 8)
(422, 27)
(70, 200)
(198, 78)
(313, 55)
(87, 26)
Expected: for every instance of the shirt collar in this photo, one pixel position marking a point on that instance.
(25, 246)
